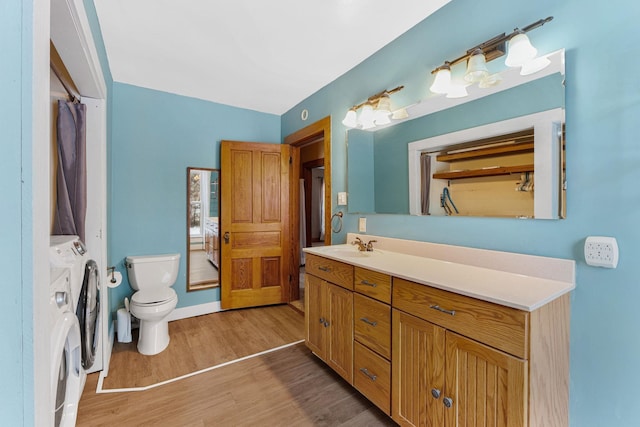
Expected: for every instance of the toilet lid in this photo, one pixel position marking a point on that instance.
(153, 296)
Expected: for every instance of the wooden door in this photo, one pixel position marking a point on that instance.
(486, 386)
(339, 303)
(314, 306)
(418, 375)
(254, 224)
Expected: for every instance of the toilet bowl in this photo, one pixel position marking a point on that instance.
(152, 277)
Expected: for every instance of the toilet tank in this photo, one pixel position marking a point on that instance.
(149, 271)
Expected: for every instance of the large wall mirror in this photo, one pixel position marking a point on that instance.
(498, 153)
(203, 243)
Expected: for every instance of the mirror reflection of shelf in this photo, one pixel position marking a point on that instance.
(490, 171)
(490, 150)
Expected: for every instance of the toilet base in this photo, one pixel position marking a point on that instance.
(153, 337)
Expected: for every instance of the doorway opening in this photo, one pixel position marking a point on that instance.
(310, 198)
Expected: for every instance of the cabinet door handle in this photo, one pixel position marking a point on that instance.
(326, 324)
(437, 307)
(368, 322)
(371, 376)
(435, 393)
(448, 402)
(323, 268)
(226, 237)
(322, 320)
(367, 283)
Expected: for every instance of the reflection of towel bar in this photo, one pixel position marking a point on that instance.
(339, 215)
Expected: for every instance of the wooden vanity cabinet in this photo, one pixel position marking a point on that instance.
(429, 357)
(329, 318)
(444, 378)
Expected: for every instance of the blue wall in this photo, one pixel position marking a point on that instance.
(603, 168)
(155, 136)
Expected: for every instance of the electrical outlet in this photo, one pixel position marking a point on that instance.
(362, 225)
(601, 251)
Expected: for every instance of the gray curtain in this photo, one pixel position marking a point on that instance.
(71, 206)
(425, 170)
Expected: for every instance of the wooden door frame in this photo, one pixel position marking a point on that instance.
(314, 132)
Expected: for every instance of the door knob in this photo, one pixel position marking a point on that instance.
(448, 402)
(226, 237)
(435, 393)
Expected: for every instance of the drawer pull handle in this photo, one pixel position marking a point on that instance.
(325, 269)
(366, 372)
(367, 283)
(369, 322)
(435, 393)
(437, 307)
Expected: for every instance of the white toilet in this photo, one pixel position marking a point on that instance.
(152, 277)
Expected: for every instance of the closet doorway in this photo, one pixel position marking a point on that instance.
(310, 198)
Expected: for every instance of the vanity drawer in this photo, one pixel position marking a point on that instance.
(372, 377)
(372, 324)
(332, 271)
(501, 327)
(373, 284)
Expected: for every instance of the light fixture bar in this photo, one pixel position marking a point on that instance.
(374, 98)
(495, 47)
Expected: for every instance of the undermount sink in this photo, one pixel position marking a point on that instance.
(351, 252)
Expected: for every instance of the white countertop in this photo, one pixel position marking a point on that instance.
(518, 291)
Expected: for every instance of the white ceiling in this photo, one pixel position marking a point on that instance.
(263, 55)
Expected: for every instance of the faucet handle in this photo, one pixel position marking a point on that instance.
(370, 245)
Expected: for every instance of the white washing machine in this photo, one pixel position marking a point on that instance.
(67, 374)
(70, 252)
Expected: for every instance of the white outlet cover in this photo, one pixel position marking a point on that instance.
(601, 251)
(362, 225)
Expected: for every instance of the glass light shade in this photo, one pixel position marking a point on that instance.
(476, 67)
(457, 91)
(367, 117)
(490, 81)
(400, 114)
(383, 111)
(521, 51)
(350, 120)
(534, 66)
(442, 81)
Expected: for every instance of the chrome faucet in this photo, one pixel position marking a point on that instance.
(362, 246)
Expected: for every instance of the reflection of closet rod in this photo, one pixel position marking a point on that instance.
(75, 97)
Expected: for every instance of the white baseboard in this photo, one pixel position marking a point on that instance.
(194, 310)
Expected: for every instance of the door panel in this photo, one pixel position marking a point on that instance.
(487, 387)
(254, 224)
(418, 371)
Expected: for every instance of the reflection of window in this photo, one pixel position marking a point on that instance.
(195, 204)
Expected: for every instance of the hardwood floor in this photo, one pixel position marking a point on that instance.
(287, 387)
(204, 341)
(201, 271)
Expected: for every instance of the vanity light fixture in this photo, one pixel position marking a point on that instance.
(375, 111)
(521, 54)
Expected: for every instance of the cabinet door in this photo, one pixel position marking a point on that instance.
(340, 331)
(314, 314)
(485, 386)
(418, 350)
